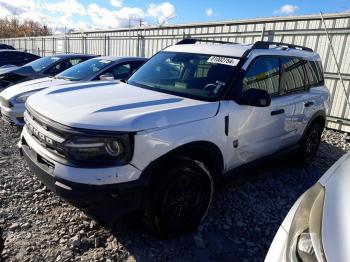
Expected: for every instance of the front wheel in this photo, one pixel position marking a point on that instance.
(180, 198)
(310, 144)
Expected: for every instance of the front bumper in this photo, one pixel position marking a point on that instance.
(13, 115)
(104, 201)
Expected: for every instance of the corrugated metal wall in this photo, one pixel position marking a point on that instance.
(301, 30)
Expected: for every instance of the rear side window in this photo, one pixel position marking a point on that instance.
(293, 75)
(263, 74)
(315, 73)
(299, 74)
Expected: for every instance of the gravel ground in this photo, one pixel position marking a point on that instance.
(243, 219)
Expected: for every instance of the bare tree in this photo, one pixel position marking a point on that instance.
(15, 28)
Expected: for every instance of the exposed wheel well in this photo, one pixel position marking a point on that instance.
(206, 152)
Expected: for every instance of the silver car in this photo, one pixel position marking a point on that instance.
(318, 225)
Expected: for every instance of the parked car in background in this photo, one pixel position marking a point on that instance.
(188, 116)
(15, 58)
(43, 67)
(12, 99)
(317, 227)
(4, 46)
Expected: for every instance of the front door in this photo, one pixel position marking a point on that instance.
(259, 131)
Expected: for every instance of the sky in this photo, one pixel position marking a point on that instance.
(108, 14)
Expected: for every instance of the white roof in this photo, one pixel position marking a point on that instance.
(234, 50)
(237, 50)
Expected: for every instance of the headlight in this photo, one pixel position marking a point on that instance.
(305, 238)
(97, 150)
(23, 98)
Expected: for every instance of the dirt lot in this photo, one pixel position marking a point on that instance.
(240, 226)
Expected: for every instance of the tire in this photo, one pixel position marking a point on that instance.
(310, 144)
(180, 197)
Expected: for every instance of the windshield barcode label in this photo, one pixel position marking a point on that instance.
(223, 60)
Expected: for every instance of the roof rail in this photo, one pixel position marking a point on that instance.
(188, 41)
(266, 45)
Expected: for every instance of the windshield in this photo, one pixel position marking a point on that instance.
(84, 70)
(43, 63)
(184, 74)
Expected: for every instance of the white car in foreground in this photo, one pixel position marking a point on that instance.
(191, 114)
(318, 225)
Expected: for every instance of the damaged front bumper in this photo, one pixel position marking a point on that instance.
(103, 201)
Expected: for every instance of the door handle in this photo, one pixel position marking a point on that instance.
(309, 103)
(277, 112)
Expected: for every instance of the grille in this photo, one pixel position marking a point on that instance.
(44, 134)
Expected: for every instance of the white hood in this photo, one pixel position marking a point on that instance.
(32, 85)
(117, 107)
(336, 213)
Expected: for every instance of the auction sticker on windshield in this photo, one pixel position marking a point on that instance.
(223, 60)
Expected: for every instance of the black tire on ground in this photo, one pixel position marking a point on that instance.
(180, 196)
(310, 144)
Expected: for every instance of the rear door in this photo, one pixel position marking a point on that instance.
(295, 93)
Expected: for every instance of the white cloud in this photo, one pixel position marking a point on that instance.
(104, 18)
(71, 14)
(209, 12)
(116, 3)
(286, 10)
(162, 12)
(17, 6)
(68, 7)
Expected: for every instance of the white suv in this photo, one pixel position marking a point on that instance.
(188, 116)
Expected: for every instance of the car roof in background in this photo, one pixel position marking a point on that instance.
(121, 58)
(72, 55)
(12, 50)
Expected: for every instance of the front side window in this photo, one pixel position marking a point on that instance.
(263, 74)
(84, 70)
(43, 63)
(185, 74)
(121, 71)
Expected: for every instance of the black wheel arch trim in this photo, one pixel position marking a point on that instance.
(317, 115)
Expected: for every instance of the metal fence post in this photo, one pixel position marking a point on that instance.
(105, 44)
(138, 45)
(109, 45)
(85, 45)
(43, 52)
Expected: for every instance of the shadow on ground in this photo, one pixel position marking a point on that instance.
(244, 217)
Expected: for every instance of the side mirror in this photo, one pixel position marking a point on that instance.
(256, 97)
(107, 77)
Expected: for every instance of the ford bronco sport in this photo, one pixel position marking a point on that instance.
(157, 143)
